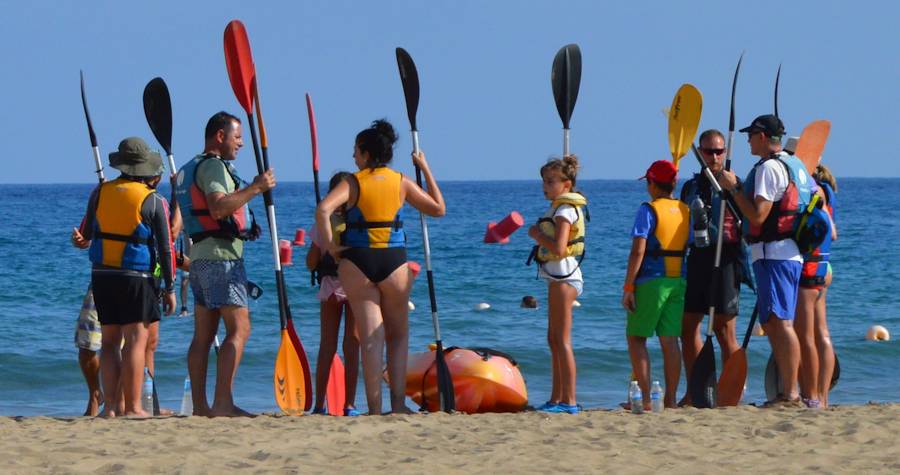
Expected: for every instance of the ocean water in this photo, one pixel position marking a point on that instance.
(43, 279)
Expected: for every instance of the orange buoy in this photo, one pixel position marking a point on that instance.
(284, 252)
(500, 232)
(300, 237)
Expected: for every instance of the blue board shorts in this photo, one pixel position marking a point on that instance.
(777, 283)
(218, 284)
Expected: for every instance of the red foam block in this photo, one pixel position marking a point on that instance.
(300, 237)
(500, 232)
(284, 252)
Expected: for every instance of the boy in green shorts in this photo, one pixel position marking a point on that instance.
(653, 294)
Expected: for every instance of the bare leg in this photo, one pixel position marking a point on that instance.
(110, 368)
(724, 327)
(692, 343)
(132, 378)
(640, 365)
(555, 370)
(561, 296)
(806, 334)
(237, 331)
(206, 324)
(365, 300)
(824, 346)
(185, 283)
(329, 325)
(395, 313)
(351, 356)
(786, 348)
(90, 368)
(152, 344)
(672, 368)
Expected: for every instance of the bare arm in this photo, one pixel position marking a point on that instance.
(313, 256)
(635, 257)
(222, 205)
(430, 202)
(755, 211)
(557, 244)
(337, 197)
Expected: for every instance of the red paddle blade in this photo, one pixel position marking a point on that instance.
(239, 61)
(336, 392)
(731, 383)
(313, 133)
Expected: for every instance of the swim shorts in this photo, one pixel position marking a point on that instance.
(123, 299)
(218, 284)
(659, 305)
(87, 327)
(699, 274)
(777, 283)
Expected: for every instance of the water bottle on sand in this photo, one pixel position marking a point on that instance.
(147, 393)
(187, 403)
(656, 397)
(636, 398)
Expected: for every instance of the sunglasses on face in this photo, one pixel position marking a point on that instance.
(713, 151)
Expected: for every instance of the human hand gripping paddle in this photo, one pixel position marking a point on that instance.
(335, 392)
(409, 77)
(291, 380)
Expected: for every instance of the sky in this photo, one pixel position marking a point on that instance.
(486, 110)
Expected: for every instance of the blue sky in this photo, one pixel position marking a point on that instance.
(486, 110)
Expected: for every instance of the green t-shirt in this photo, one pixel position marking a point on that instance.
(213, 177)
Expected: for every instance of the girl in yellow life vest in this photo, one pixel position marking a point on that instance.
(559, 235)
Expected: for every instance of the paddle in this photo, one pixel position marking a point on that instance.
(565, 78)
(684, 118)
(734, 372)
(811, 144)
(158, 110)
(291, 378)
(335, 388)
(409, 77)
(777, 80)
(96, 150)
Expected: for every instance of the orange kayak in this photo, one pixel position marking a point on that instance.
(483, 380)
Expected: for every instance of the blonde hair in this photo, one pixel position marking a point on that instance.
(566, 166)
(824, 174)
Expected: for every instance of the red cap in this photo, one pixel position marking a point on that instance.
(661, 171)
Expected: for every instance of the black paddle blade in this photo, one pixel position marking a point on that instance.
(87, 115)
(777, 80)
(410, 79)
(737, 70)
(158, 110)
(702, 385)
(565, 77)
(444, 380)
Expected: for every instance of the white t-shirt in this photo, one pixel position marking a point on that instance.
(566, 265)
(772, 180)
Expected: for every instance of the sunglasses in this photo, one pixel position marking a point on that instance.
(713, 151)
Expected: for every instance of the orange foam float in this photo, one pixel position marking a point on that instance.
(500, 232)
(285, 252)
(300, 237)
(878, 333)
(484, 380)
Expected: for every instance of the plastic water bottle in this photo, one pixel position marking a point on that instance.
(636, 397)
(147, 393)
(656, 397)
(187, 402)
(701, 223)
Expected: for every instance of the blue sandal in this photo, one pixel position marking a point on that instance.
(351, 412)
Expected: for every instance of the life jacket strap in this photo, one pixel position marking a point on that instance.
(122, 238)
(395, 225)
(663, 253)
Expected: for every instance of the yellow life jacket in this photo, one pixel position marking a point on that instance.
(374, 221)
(664, 256)
(120, 237)
(547, 225)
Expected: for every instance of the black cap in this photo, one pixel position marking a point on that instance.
(769, 124)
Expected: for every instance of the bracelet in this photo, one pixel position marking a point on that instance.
(628, 288)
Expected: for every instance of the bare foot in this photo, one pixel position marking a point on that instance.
(93, 405)
(138, 414)
(685, 401)
(233, 411)
(106, 414)
(402, 410)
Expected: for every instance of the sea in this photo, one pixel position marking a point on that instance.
(43, 279)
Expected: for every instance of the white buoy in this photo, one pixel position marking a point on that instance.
(482, 306)
(576, 303)
(412, 306)
(878, 333)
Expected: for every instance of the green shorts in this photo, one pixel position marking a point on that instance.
(659, 305)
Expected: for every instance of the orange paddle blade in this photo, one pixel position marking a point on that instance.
(734, 375)
(684, 119)
(290, 386)
(335, 392)
(812, 143)
(239, 62)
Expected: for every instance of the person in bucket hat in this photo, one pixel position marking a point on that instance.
(126, 229)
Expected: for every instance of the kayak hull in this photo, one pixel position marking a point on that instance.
(481, 382)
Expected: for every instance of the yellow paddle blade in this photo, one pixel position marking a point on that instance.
(684, 119)
(812, 143)
(290, 389)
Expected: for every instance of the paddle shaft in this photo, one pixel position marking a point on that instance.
(314, 141)
(565, 143)
(427, 250)
(98, 164)
(749, 332)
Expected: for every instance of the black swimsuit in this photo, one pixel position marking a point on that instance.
(376, 264)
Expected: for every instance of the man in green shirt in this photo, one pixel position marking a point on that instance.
(214, 201)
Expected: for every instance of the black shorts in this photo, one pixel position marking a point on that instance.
(699, 274)
(122, 299)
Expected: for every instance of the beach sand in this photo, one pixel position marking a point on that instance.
(736, 440)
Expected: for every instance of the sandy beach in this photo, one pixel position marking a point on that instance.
(737, 440)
